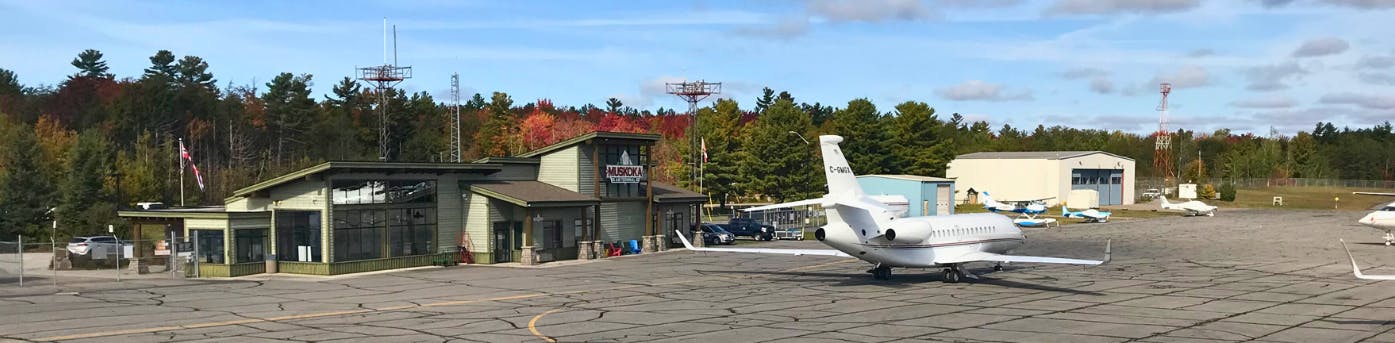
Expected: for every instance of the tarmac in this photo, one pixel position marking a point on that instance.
(1244, 275)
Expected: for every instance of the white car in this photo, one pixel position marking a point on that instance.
(1151, 193)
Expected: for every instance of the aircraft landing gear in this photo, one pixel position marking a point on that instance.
(1389, 238)
(953, 274)
(998, 267)
(881, 273)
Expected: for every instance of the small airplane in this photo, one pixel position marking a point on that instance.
(1357, 270)
(861, 227)
(1026, 210)
(1090, 215)
(1383, 219)
(1192, 208)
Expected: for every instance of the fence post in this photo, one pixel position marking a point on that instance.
(19, 250)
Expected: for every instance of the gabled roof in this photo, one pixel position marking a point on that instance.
(532, 194)
(508, 160)
(909, 177)
(1032, 155)
(666, 193)
(589, 136)
(368, 167)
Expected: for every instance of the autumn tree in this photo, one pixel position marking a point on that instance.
(493, 138)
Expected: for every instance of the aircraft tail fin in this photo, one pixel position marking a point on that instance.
(841, 180)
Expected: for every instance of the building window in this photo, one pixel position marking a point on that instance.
(358, 234)
(411, 231)
(210, 246)
(249, 245)
(365, 192)
(615, 155)
(298, 236)
(370, 233)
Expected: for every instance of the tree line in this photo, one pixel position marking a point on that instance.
(72, 152)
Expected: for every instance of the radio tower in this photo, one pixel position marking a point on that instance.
(693, 92)
(455, 118)
(1162, 148)
(383, 78)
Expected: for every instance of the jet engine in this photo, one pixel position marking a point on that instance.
(908, 231)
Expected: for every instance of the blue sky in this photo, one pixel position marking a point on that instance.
(1240, 64)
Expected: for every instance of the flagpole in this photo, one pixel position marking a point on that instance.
(180, 155)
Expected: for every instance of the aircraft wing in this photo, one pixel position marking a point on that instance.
(1357, 271)
(979, 256)
(796, 252)
(1375, 193)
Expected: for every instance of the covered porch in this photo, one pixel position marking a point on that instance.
(532, 222)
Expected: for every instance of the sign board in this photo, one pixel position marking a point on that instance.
(128, 251)
(625, 172)
(162, 248)
(1186, 191)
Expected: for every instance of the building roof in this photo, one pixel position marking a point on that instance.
(910, 177)
(206, 212)
(509, 160)
(532, 194)
(1032, 155)
(368, 167)
(666, 193)
(603, 135)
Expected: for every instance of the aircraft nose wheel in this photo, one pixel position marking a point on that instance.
(953, 276)
(881, 273)
(998, 267)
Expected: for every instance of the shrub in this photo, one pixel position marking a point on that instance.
(1228, 192)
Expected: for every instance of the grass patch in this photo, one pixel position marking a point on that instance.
(1308, 198)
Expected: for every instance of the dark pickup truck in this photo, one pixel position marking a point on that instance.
(750, 228)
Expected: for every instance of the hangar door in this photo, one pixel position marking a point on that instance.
(1108, 182)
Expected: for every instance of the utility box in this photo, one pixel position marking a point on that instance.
(1186, 191)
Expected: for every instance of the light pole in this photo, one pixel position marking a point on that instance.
(801, 137)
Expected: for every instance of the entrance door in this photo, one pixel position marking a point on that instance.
(503, 245)
(943, 197)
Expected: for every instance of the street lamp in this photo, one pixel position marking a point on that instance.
(801, 137)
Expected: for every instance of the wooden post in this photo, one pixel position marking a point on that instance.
(648, 192)
(596, 180)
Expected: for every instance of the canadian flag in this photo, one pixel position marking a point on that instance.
(184, 153)
(704, 150)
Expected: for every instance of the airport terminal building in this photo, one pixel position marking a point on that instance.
(561, 202)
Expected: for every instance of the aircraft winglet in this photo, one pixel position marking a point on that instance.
(1357, 270)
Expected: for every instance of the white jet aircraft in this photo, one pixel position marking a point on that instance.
(1193, 208)
(1357, 270)
(863, 228)
(1383, 218)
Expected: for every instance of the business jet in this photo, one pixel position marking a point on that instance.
(1090, 215)
(1357, 270)
(1192, 208)
(1383, 219)
(863, 228)
(1027, 210)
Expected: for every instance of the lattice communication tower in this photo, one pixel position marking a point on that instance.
(693, 92)
(455, 118)
(1162, 148)
(384, 77)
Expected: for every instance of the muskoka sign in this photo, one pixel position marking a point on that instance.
(625, 172)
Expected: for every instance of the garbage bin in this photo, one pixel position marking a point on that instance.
(271, 264)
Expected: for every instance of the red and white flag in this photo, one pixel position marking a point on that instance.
(184, 153)
(704, 150)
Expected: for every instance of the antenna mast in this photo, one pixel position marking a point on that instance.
(455, 118)
(693, 92)
(384, 78)
(1162, 147)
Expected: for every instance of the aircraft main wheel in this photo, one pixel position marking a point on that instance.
(1387, 243)
(998, 268)
(1210, 214)
(881, 273)
(952, 276)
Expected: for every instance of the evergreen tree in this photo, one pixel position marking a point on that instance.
(90, 65)
(866, 137)
(25, 196)
(493, 137)
(84, 206)
(613, 105)
(766, 98)
(162, 66)
(720, 127)
(918, 143)
(193, 72)
(775, 162)
(288, 109)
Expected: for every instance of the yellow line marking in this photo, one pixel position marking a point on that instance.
(385, 309)
(532, 325)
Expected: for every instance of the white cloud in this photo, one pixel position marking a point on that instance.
(1275, 3)
(978, 3)
(1363, 4)
(1272, 77)
(1102, 85)
(1377, 78)
(1266, 102)
(1321, 47)
(1201, 53)
(1080, 73)
(1376, 62)
(1077, 7)
(870, 10)
(982, 91)
(1188, 76)
(784, 28)
(1368, 101)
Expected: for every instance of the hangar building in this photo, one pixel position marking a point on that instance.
(1044, 174)
(560, 202)
(925, 196)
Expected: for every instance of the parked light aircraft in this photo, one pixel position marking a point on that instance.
(1027, 210)
(1383, 218)
(1192, 208)
(1090, 215)
(1357, 270)
(863, 228)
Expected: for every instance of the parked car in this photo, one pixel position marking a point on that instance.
(1151, 193)
(750, 228)
(714, 234)
(80, 248)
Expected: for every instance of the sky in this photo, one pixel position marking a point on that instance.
(1245, 65)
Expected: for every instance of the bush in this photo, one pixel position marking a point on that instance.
(1228, 192)
(1207, 191)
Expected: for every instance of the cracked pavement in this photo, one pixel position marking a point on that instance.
(1244, 275)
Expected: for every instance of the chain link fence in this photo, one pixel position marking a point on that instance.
(81, 261)
(1145, 184)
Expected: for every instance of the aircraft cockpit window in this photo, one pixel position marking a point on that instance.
(1388, 208)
